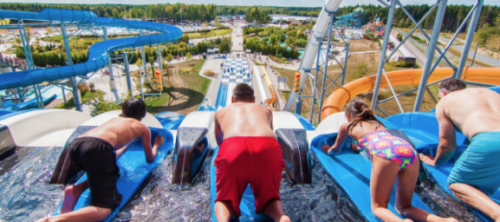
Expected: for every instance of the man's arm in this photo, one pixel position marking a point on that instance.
(219, 135)
(146, 143)
(447, 140)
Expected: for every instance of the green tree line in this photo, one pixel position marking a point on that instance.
(455, 14)
(50, 56)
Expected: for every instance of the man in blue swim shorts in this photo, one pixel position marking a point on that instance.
(476, 174)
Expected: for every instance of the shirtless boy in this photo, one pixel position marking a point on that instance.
(94, 152)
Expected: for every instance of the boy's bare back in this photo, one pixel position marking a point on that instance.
(118, 131)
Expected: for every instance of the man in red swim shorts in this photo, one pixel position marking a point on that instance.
(248, 154)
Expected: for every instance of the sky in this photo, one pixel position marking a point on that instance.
(306, 3)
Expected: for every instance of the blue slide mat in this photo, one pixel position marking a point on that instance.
(134, 169)
(352, 172)
(247, 205)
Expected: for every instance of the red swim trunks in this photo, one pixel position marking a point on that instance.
(257, 161)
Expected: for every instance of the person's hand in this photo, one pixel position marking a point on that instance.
(325, 148)
(158, 140)
(200, 147)
(427, 159)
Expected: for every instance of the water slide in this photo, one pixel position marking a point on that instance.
(335, 102)
(311, 52)
(98, 55)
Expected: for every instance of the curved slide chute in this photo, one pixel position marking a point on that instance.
(342, 95)
(98, 53)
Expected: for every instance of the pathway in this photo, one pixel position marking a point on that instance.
(213, 88)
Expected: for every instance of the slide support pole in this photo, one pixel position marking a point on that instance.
(69, 61)
(468, 39)
(127, 72)
(430, 54)
(388, 29)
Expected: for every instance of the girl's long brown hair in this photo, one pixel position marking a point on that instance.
(360, 112)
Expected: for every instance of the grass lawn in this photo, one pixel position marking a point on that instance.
(476, 61)
(184, 89)
(219, 32)
(88, 96)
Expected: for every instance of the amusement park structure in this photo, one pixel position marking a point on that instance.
(99, 53)
(355, 19)
(323, 28)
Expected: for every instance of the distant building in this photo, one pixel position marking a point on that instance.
(355, 19)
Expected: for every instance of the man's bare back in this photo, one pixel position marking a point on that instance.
(244, 119)
(472, 110)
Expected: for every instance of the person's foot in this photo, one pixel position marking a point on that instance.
(451, 219)
(285, 218)
(71, 196)
(407, 220)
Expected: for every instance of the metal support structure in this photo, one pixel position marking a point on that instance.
(143, 54)
(388, 29)
(430, 53)
(315, 90)
(29, 61)
(468, 40)
(112, 82)
(69, 61)
(127, 72)
(325, 67)
(160, 64)
(345, 62)
(423, 31)
(64, 93)
(430, 65)
(318, 81)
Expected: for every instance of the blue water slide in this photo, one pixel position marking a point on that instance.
(423, 130)
(5, 112)
(30, 104)
(221, 96)
(170, 120)
(98, 55)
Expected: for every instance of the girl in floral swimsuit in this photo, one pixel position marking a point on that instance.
(392, 158)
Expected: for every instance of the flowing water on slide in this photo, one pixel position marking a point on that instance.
(160, 200)
(442, 203)
(27, 196)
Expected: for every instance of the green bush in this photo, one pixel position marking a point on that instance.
(400, 37)
(421, 41)
(403, 64)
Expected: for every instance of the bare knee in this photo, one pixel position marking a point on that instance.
(460, 191)
(377, 211)
(102, 213)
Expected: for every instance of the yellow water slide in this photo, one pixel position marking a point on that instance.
(342, 95)
(269, 102)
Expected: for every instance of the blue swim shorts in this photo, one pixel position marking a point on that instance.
(479, 164)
